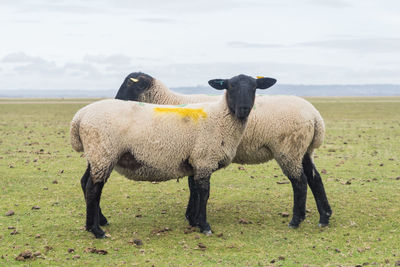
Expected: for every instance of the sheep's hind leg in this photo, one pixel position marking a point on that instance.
(317, 187)
(94, 188)
(299, 186)
(193, 202)
(203, 188)
(84, 179)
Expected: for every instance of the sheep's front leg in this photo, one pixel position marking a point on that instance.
(84, 180)
(93, 194)
(202, 185)
(299, 199)
(193, 202)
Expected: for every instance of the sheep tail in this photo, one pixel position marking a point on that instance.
(76, 142)
(319, 133)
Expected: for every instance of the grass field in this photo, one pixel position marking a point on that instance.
(40, 182)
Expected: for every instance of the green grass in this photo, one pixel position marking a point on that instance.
(360, 162)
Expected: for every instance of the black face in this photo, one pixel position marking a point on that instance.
(134, 85)
(241, 92)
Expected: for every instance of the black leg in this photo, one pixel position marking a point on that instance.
(93, 194)
(299, 200)
(103, 219)
(84, 179)
(193, 202)
(203, 189)
(317, 187)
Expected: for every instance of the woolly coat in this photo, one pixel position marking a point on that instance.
(283, 128)
(150, 142)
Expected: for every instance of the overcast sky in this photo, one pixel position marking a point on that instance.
(94, 44)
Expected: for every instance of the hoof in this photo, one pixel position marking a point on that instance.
(322, 225)
(205, 229)
(193, 224)
(103, 220)
(101, 236)
(295, 222)
(191, 221)
(98, 233)
(207, 232)
(104, 223)
(294, 225)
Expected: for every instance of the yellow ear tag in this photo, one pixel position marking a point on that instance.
(134, 80)
(260, 77)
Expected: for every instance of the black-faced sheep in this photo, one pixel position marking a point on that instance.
(284, 128)
(150, 142)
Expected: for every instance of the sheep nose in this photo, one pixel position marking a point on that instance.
(243, 112)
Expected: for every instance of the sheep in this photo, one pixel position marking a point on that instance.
(285, 128)
(149, 142)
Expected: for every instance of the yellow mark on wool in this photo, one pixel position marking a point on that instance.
(193, 113)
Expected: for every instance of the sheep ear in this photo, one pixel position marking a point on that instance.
(264, 83)
(218, 84)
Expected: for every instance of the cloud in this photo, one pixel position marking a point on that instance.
(81, 69)
(22, 21)
(60, 6)
(238, 44)
(100, 72)
(371, 45)
(157, 20)
(175, 75)
(199, 74)
(115, 59)
(40, 68)
(175, 6)
(330, 3)
(22, 71)
(374, 45)
(126, 6)
(20, 58)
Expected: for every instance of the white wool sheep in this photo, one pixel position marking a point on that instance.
(284, 128)
(162, 138)
(149, 142)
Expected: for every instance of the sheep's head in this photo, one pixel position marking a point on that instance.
(241, 92)
(134, 85)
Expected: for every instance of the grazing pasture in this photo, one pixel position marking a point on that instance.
(42, 209)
